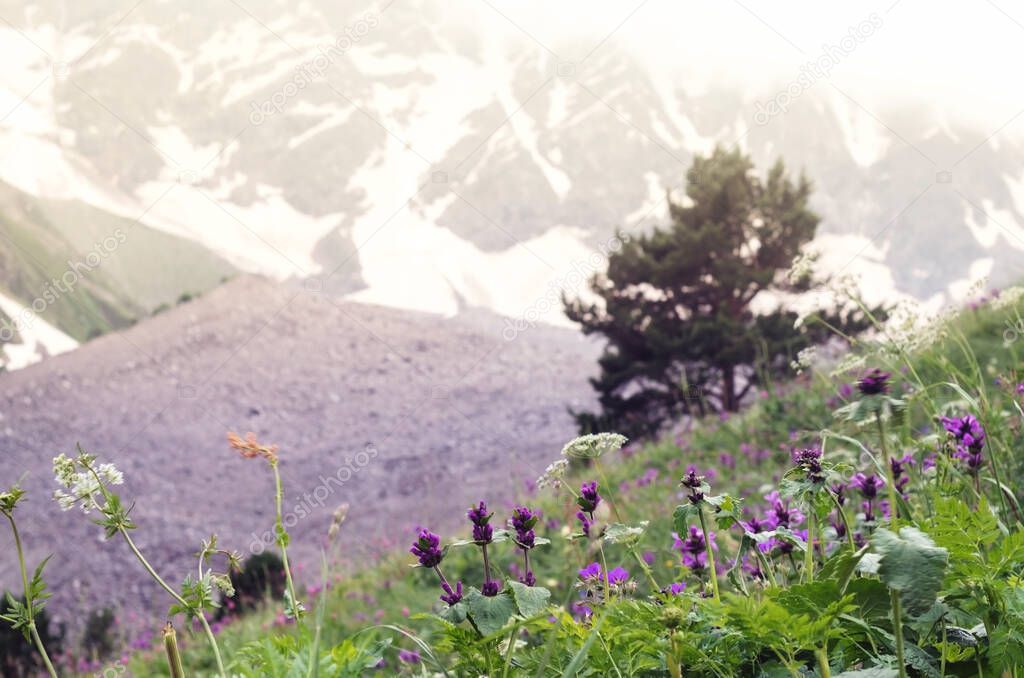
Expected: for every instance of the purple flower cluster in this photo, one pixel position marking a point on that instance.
(809, 459)
(693, 482)
(588, 502)
(694, 549)
(427, 548)
(875, 382)
(523, 520)
(970, 439)
(483, 533)
(899, 472)
(451, 596)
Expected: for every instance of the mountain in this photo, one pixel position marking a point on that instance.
(82, 271)
(407, 156)
(406, 417)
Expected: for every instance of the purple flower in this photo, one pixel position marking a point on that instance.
(966, 430)
(1020, 389)
(781, 513)
(427, 548)
(875, 382)
(523, 521)
(451, 596)
(490, 588)
(529, 579)
(483, 533)
(589, 498)
(584, 522)
(409, 656)
(809, 459)
(675, 588)
(592, 571)
(693, 483)
(618, 576)
(869, 485)
(899, 472)
(845, 391)
(694, 548)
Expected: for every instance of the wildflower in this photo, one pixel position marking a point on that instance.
(409, 656)
(523, 520)
(451, 596)
(875, 382)
(869, 485)
(839, 490)
(675, 588)
(589, 498)
(693, 548)
(810, 460)
(10, 499)
(618, 576)
(594, 445)
(781, 513)
(966, 430)
(337, 519)
(82, 484)
(427, 548)
(490, 588)
(1020, 389)
(483, 533)
(585, 523)
(250, 448)
(553, 474)
(592, 571)
(695, 484)
(899, 472)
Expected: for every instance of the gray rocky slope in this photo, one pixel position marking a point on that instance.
(417, 415)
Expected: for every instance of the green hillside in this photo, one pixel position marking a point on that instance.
(117, 270)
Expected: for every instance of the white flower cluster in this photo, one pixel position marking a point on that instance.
(1007, 298)
(594, 445)
(802, 267)
(81, 484)
(804, 359)
(553, 474)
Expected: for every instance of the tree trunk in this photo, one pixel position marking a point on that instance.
(729, 403)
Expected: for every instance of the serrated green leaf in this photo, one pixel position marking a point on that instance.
(489, 614)
(911, 564)
(617, 533)
(530, 600)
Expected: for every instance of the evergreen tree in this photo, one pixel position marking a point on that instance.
(675, 304)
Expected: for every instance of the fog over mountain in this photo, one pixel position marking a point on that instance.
(432, 157)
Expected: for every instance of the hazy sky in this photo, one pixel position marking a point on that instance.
(960, 57)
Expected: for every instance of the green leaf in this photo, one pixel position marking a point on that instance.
(877, 672)
(682, 516)
(531, 600)
(489, 614)
(455, 614)
(617, 533)
(912, 564)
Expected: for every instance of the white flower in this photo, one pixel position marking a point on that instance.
(81, 485)
(594, 445)
(553, 474)
(804, 359)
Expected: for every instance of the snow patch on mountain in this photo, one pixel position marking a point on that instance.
(38, 337)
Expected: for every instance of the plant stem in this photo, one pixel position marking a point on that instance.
(842, 517)
(646, 569)
(822, 655)
(173, 656)
(508, 651)
(808, 573)
(891, 480)
(711, 555)
(604, 567)
(766, 566)
(897, 627)
(281, 540)
(181, 601)
(29, 604)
